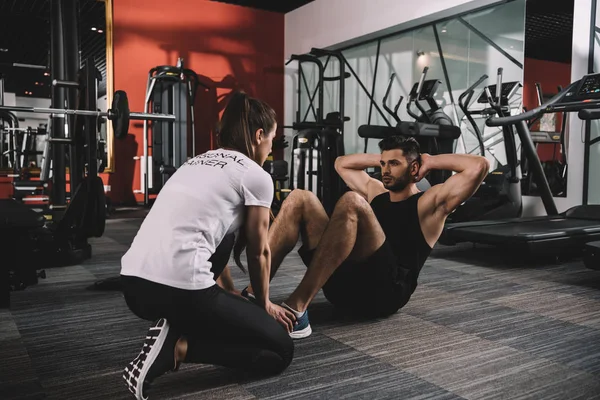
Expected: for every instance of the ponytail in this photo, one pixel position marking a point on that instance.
(234, 130)
(242, 117)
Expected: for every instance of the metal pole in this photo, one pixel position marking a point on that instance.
(1, 89)
(588, 124)
(444, 68)
(536, 168)
(91, 132)
(149, 88)
(373, 90)
(72, 65)
(57, 67)
(110, 114)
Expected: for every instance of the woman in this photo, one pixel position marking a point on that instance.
(184, 244)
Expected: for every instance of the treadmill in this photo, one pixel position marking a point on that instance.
(557, 233)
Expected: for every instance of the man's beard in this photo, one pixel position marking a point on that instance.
(397, 184)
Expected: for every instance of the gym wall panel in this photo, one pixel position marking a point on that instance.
(229, 47)
(6, 187)
(325, 23)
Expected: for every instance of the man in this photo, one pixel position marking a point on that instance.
(368, 256)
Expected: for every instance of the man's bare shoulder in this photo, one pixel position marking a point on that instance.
(374, 188)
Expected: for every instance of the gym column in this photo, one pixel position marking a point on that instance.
(57, 67)
(70, 28)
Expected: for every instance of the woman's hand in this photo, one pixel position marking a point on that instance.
(282, 315)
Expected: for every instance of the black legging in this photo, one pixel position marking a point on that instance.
(221, 328)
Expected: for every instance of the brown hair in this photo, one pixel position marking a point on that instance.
(409, 146)
(243, 116)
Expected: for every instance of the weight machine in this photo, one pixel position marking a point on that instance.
(63, 238)
(170, 89)
(324, 135)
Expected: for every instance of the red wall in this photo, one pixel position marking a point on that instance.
(550, 75)
(229, 47)
(6, 187)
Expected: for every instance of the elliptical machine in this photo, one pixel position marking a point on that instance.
(499, 196)
(425, 90)
(430, 137)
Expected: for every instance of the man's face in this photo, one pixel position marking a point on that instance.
(396, 171)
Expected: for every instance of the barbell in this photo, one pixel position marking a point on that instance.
(119, 113)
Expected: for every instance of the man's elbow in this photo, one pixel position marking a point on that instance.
(338, 163)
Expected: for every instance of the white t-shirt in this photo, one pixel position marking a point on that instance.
(201, 203)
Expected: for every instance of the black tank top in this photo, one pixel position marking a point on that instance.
(400, 223)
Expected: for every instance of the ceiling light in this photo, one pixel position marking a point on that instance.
(46, 73)
(3, 50)
(100, 31)
(444, 30)
(93, 28)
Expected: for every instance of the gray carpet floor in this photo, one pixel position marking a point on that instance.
(481, 325)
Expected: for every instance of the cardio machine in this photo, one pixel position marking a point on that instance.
(431, 137)
(555, 234)
(499, 195)
(424, 91)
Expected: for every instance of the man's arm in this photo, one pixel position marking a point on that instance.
(351, 169)
(470, 171)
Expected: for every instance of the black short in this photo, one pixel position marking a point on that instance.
(376, 287)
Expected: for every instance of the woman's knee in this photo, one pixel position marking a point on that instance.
(286, 352)
(276, 358)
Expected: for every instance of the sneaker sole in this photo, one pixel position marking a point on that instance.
(302, 333)
(136, 384)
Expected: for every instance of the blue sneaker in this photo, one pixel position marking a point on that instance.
(302, 329)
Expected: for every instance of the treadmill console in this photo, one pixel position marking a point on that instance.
(508, 89)
(589, 88)
(428, 90)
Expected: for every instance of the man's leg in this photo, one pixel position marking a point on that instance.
(301, 215)
(353, 234)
